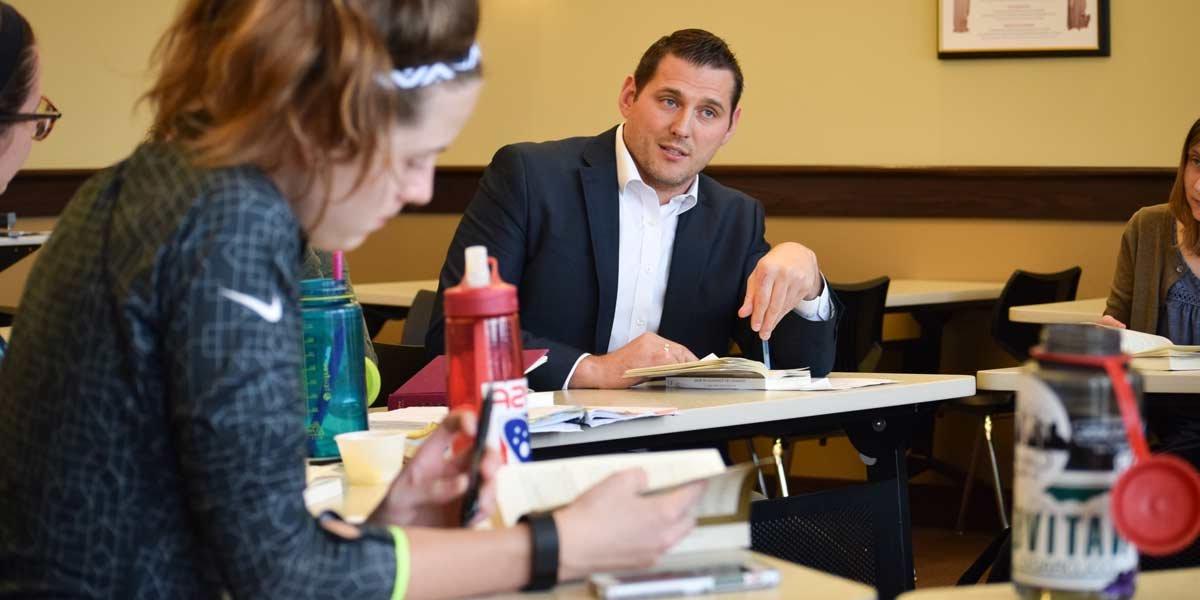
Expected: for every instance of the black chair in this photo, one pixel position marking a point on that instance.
(416, 323)
(860, 328)
(1016, 339)
(397, 364)
(1025, 288)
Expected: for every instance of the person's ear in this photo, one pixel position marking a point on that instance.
(733, 123)
(627, 96)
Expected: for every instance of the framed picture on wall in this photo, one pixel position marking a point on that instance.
(1008, 28)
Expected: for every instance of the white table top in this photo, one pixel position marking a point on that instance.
(31, 239)
(709, 409)
(1178, 584)
(901, 292)
(914, 292)
(797, 581)
(1155, 382)
(1074, 311)
(392, 293)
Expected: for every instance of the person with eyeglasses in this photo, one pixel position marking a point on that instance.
(25, 114)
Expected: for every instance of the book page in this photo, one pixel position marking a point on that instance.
(729, 366)
(1139, 343)
(538, 486)
(413, 418)
(722, 491)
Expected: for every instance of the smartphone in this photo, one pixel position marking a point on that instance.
(470, 503)
(689, 581)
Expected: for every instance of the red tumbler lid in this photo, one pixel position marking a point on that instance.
(1156, 504)
(492, 300)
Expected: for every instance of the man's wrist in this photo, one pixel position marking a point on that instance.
(575, 367)
(817, 290)
(589, 373)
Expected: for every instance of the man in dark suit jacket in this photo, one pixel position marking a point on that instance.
(624, 255)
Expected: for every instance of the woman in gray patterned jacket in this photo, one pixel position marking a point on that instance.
(151, 441)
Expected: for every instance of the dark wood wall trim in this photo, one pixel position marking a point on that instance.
(1045, 193)
(42, 192)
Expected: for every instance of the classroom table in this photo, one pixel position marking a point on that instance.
(1073, 311)
(878, 421)
(1153, 382)
(390, 300)
(932, 303)
(796, 581)
(13, 249)
(903, 294)
(1176, 584)
(354, 503)
(396, 294)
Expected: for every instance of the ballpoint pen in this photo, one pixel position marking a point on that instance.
(777, 451)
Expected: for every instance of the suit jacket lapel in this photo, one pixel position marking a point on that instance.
(599, 180)
(693, 236)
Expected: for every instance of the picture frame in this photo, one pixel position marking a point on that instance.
(1029, 28)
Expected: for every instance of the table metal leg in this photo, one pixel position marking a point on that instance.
(886, 440)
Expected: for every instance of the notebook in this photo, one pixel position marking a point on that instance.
(428, 386)
(565, 418)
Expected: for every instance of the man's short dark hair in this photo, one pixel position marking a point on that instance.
(696, 46)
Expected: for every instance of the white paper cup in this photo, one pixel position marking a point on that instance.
(371, 457)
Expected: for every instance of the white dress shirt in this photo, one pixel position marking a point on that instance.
(647, 237)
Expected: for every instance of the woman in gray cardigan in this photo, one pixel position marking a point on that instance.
(1156, 284)
(1156, 289)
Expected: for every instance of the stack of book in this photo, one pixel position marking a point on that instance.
(729, 373)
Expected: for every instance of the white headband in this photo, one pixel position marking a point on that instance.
(420, 76)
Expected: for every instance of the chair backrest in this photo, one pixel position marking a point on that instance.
(1025, 288)
(397, 364)
(860, 328)
(416, 323)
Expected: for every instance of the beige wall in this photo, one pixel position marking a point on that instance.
(95, 57)
(848, 83)
(827, 82)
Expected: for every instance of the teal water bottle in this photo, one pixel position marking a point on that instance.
(334, 379)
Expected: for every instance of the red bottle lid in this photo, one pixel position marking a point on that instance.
(481, 293)
(1156, 504)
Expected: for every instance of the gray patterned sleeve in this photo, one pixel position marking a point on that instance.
(233, 349)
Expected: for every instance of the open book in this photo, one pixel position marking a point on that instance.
(566, 418)
(726, 373)
(1156, 353)
(722, 514)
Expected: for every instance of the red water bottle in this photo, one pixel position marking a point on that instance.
(483, 345)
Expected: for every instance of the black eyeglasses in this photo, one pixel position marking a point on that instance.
(45, 117)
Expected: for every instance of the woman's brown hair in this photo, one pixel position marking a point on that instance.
(1178, 202)
(304, 83)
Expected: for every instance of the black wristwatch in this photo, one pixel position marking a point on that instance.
(543, 558)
